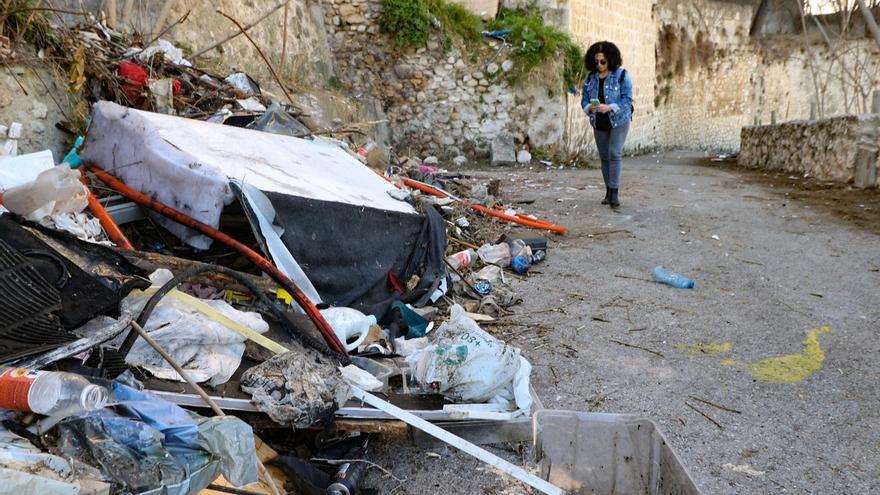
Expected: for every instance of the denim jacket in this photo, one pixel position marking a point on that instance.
(618, 96)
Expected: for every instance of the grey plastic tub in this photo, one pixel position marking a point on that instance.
(607, 454)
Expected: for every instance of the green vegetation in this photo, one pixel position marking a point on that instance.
(535, 44)
(408, 20)
(25, 19)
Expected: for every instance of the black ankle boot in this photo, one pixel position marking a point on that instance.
(607, 195)
(613, 200)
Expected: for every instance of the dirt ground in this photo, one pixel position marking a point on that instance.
(784, 267)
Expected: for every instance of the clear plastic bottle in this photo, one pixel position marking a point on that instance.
(349, 325)
(672, 279)
(462, 259)
(49, 392)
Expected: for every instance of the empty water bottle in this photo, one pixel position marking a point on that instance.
(462, 259)
(673, 279)
(49, 392)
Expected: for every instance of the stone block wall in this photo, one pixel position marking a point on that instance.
(826, 149)
(437, 101)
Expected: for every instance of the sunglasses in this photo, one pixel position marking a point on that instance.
(601, 62)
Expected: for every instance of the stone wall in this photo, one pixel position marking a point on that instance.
(437, 101)
(842, 149)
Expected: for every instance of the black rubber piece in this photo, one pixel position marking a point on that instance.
(28, 320)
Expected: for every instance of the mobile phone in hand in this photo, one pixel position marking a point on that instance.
(594, 101)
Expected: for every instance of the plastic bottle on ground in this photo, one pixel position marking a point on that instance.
(462, 259)
(672, 279)
(349, 325)
(521, 264)
(49, 392)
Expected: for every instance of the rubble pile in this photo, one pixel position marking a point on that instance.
(205, 256)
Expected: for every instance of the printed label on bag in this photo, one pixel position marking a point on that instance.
(15, 385)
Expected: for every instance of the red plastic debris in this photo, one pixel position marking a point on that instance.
(136, 78)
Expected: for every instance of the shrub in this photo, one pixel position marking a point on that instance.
(408, 20)
(535, 44)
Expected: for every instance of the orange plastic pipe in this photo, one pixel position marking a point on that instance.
(97, 209)
(535, 224)
(261, 262)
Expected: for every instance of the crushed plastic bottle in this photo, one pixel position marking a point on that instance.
(349, 325)
(521, 264)
(672, 279)
(49, 392)
(462, 259)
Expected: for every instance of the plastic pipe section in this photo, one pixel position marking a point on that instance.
(528, 222)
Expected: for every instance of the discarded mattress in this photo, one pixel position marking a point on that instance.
(187, 164)
(335, 216)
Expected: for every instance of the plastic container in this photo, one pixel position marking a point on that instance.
(57, 190)
(49, 392)
(605, 454)
(495, 254)
(672, 279)
(462, 259)
(350, 325)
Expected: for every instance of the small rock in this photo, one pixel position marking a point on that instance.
(40, 110)
(433, 46)
(507, 65)
(459, 160)
(37, 128)
(431, 160)
(403, 71)
(450, 60)
(492, 68)
(523, 156)
(503, 152)
(337, 21)
(459, 64)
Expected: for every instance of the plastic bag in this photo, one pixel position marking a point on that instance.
(495, 254)
(57, 190)
(465, 363)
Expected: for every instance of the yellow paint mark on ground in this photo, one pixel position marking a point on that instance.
(704, 349)
(791, 368)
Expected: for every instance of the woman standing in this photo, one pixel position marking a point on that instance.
(607, 99)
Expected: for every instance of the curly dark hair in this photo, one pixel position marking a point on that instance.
(607, 48)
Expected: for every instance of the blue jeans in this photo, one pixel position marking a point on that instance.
(610, 146)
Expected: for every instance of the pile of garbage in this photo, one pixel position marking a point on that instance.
(204, 256)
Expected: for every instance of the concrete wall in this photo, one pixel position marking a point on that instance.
(842, 149)
(713, 78)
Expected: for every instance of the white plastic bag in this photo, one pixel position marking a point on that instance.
(495, 254)
(465, 363)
